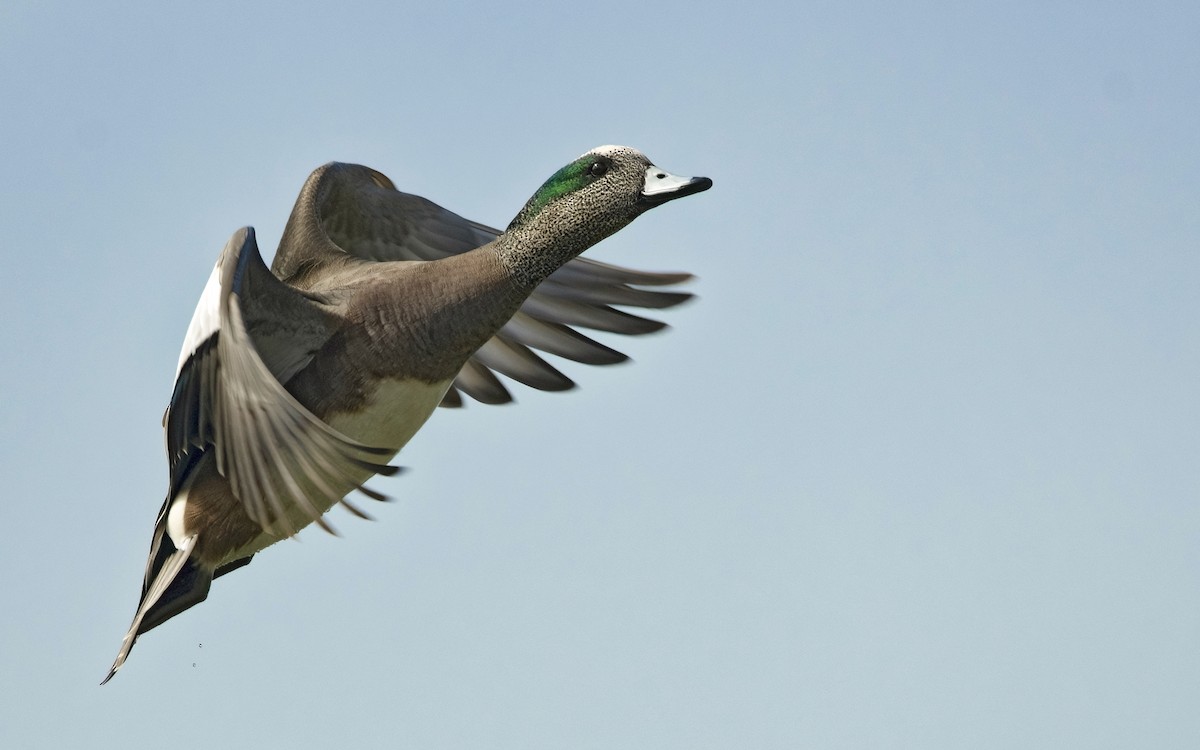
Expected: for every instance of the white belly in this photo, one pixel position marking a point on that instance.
(393, 413)
(391, 416)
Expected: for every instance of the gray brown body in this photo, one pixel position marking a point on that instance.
(298, 383)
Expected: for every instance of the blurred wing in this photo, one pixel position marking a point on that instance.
(250, 332)
(581, 294)
(362, 214)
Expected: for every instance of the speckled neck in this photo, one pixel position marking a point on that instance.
(535, 246)
(529, 257)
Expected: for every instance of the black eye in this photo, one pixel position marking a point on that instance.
(598, 169)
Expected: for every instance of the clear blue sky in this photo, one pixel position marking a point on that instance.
(918, 469)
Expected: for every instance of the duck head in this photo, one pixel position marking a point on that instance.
(587, 200)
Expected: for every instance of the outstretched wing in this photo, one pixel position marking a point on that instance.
(249, 334)
(351, 209)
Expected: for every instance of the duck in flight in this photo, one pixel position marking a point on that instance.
(299, 382)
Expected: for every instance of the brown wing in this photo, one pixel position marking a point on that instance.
(347, 208)
(282, 461)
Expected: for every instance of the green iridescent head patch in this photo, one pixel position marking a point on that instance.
(566, 180)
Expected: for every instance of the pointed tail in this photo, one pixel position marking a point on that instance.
(179, 583)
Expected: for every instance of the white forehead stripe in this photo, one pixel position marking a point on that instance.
(611, 151)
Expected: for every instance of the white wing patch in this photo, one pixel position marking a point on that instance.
(206, 320)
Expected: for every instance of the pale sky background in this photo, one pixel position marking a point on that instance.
(918, 469)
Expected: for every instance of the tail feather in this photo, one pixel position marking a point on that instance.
(179, 584)
(232, 566)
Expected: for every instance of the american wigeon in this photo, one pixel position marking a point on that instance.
(298, 383)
